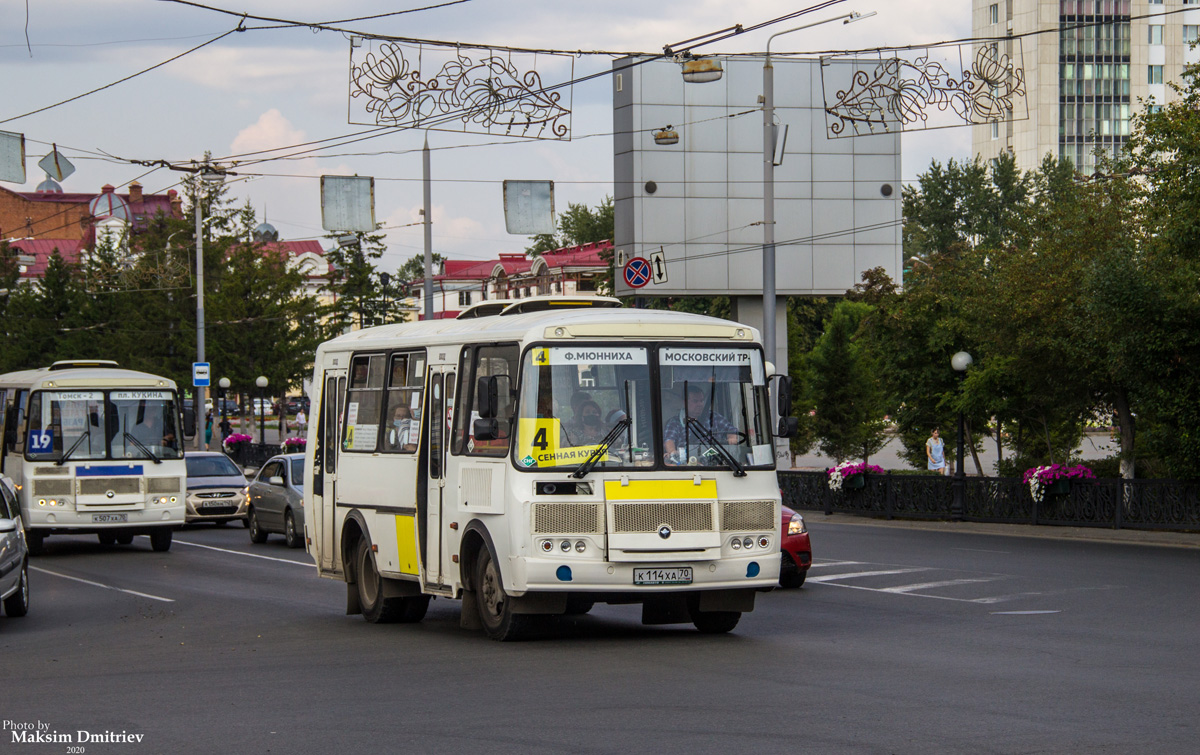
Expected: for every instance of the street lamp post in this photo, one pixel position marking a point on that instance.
(261, 382)
(960, 362)
(223, 384)
(211, 177)
(384, 280)
(768, 330)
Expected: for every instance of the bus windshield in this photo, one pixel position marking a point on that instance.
(574, 397)
(715, 410)
(89, 425)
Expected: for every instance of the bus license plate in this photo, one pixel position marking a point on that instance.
(110, 517)
(663, 575)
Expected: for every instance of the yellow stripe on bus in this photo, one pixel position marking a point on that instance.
(406, 544)
(675, 490)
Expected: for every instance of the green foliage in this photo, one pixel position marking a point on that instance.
(850, 402)
(578, 225)
(354, 281)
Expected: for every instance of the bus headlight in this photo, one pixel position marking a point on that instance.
(736, 544)
(565, 545)
(580, 546)
(747, 542)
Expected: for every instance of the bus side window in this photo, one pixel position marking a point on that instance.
(489, 361)
(364, 404)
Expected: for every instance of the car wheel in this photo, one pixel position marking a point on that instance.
(107, 538)
(124, 539)
(290, 536)
(160, 539)
(17, 604)
(712, 622)
(495, 608)
(246, 522)
(376, 608)
(790, 576)
(35, 542)
(257, 533)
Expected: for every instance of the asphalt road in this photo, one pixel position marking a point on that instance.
(902, 641)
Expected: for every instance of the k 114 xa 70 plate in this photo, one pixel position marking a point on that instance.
(663, 575)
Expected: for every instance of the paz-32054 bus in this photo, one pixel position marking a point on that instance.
(536, 457)
(94, 449)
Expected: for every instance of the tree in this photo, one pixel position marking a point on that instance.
(578, 225)
(850, 402)
(355, 281)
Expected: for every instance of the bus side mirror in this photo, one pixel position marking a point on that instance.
(783, 395)
(787, 427)
(486, 429)
(487, 397)
(189, 422)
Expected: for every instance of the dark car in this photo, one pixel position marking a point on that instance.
(797, 551)
(277, 500)
(296, 403)
(14, 557)
(216, 488)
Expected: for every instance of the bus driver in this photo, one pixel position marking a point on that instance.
(676, 432)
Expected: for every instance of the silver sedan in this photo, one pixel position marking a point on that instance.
(277, 500)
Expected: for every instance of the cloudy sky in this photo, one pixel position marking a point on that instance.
(267, 88)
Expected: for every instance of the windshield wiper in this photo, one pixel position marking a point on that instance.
(74, 445)
(139, 444)
(582, 470)
(708, 438)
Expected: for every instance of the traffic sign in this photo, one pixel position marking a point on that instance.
(200, 374)
(658, 261)
(637, 272)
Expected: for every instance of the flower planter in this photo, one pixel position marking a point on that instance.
(854, 482)
(1059, 487)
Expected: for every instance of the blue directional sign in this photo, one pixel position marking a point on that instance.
(637, 272)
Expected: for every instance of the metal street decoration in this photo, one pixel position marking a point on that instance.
(473, 91)
(923, 92)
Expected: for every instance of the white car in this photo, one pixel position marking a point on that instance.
(14, 557)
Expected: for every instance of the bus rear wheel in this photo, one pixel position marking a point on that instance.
(376, 608)
(107, 538)
(495, 608)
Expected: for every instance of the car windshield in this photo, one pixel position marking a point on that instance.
(211, 466)
(714, 407)
(120, 424)
(573, 397)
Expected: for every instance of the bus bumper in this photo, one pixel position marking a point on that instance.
(578, 575)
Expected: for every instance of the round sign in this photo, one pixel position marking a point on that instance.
(637, 272)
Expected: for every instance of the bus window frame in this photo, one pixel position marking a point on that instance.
(465, 402)
(345, 410)
(417, 387)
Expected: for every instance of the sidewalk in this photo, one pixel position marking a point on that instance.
(1088, 534)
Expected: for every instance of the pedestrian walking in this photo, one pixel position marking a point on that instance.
(935, 452)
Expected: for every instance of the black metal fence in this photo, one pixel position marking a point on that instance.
(1112, 503)
(253, 454)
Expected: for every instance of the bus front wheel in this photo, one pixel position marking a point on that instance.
(495, 608)
(160, 539)
(712, 622)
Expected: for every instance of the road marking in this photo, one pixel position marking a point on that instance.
(98, 584)
(1022, 613)
(980, 550)
(902, 589)
(852, 575)
(243, 553)
(834, 563)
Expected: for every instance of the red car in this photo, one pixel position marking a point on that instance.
(797, 551)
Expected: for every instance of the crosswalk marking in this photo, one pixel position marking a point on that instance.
(932, 585)
(815, 564)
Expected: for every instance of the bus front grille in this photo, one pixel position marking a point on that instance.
(162, 485)
(51, 487)
(118, 485)
(740, 516)
(568, 518)
(683, 516)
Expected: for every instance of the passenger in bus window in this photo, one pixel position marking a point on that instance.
(589, 429)
(402, 434)
(676, 435)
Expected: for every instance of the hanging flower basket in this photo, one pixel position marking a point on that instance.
(851, 476)
(1054, 480)
(232, 442)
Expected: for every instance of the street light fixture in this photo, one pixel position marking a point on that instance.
(769, 181)
(920, 261)
(213, 178)
(261, 382)
(960, 362)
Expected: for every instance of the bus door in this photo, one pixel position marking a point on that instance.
(440, 387)
(330, 437)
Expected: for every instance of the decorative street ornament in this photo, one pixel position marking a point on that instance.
(472, 91)
(924, 92)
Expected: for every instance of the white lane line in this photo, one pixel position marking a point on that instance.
(243, 553)
(902, 589)
(98, 584)
(853, 575)
(834, 563)
(1022, 613)
(979, 550)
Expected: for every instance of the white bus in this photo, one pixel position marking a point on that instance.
(463, 459)
(94, 448)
